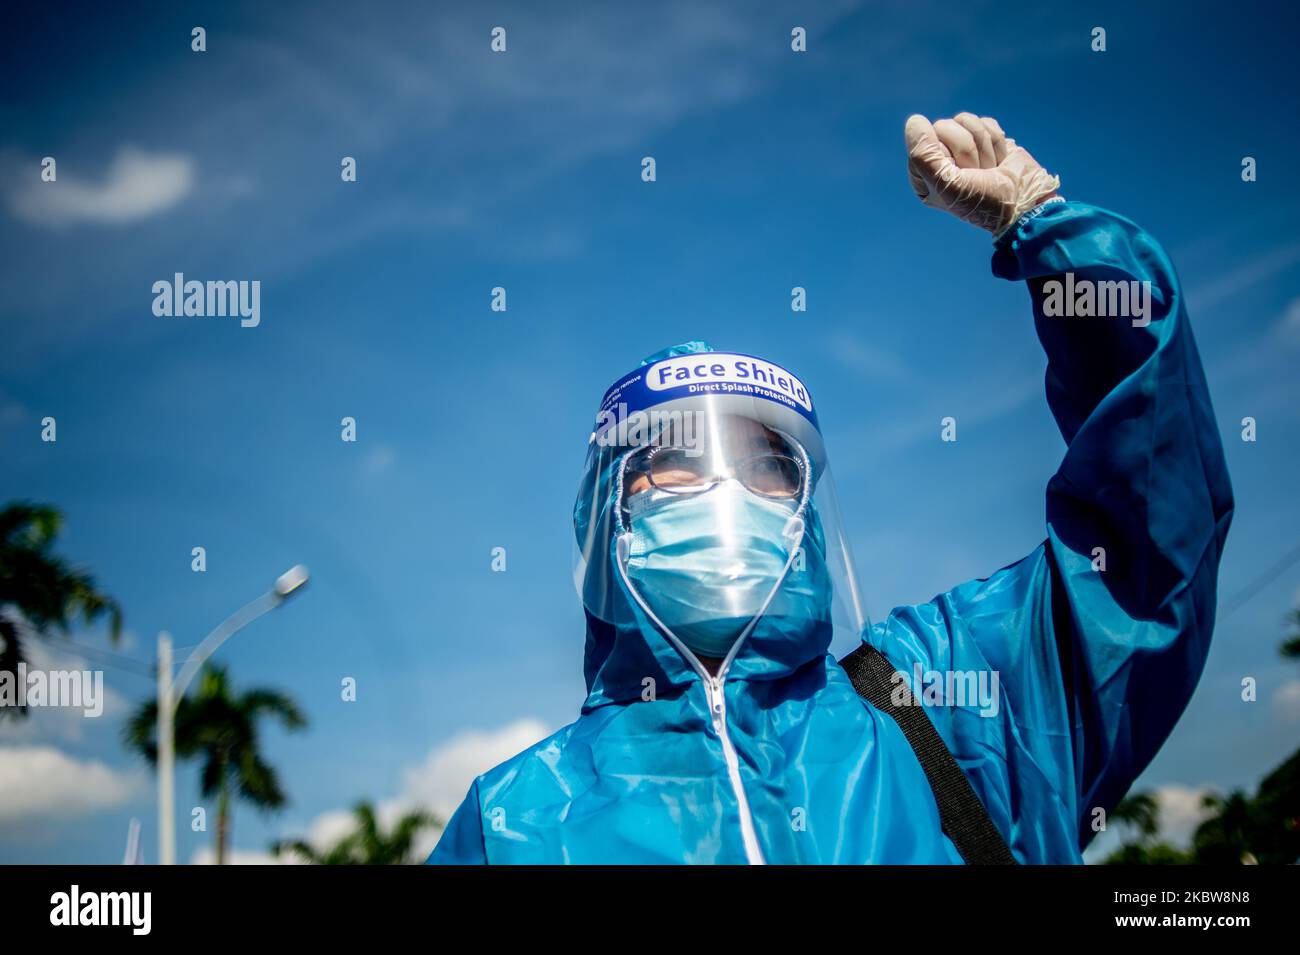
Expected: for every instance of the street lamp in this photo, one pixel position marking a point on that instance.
(171, 692)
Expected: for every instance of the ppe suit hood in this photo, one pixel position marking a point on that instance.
(626, 653)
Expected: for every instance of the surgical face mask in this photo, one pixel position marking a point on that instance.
(708, 565)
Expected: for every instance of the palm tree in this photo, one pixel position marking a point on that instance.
(1152, 853)
(1225, 837)
(366, 844)
(1277, 815)
(48, 593)
(1139, 812)
(221, 727)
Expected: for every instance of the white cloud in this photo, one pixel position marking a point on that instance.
(329, 827)
(441, 781)
(1180, 811)
(1287, 699)
(137, 185)
(438, 783)
(45, 781)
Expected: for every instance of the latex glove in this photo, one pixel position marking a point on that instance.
(969, 167)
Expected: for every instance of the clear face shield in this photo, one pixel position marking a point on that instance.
(707, 501)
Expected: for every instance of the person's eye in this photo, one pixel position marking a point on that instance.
(773, 474)
(673, 468)
(770, 468)
(675, 477)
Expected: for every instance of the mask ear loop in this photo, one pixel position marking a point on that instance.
(793, 535)
(622, 552)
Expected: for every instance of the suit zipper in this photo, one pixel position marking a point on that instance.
(718, 711)
(717, 706)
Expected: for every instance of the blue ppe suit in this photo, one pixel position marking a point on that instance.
(1095, 667)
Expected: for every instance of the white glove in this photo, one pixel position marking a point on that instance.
(969, 167)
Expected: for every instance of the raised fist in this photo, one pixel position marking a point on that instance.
(968, 166)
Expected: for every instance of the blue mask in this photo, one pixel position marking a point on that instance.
(707, 565)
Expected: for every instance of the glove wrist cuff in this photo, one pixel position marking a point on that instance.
(1031, 212)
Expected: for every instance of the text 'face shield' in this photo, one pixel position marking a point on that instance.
(707, 502)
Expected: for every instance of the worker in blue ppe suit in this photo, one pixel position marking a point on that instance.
(717, 727)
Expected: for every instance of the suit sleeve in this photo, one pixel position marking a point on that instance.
(461, 842)
(1101, 634)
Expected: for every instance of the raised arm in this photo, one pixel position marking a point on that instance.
(1143, 490)
(1100, 635)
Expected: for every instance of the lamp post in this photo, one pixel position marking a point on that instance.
(171, 692)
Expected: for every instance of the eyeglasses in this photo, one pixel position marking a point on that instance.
(771, 474)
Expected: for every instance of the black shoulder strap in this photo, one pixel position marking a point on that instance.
(962, 814)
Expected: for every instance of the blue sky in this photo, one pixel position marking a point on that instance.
(522, 170)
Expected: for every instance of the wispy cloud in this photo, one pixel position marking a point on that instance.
(1262, 359)
(1228, 285)
(378, 461)
(1288, 327)
(136, 185)
(416, 107)
(986, 401)
(865, 359)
